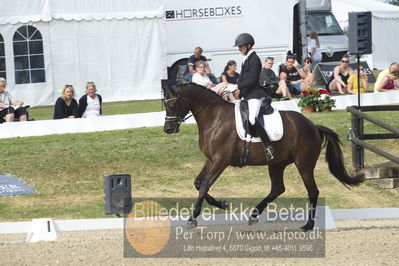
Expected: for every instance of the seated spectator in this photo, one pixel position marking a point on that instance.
(394, 66)
(10, 108)
(352, 82)
(269, 81)
(389, 82)
(308, 70)
(202, 79)
(292, 75)
(66, 106)
(229, 74)
(192, 60)
(90, 103)
(339, 80)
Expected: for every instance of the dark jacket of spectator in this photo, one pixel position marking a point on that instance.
(83, 104)
(62, 110)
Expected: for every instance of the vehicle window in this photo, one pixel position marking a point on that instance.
(323, 24)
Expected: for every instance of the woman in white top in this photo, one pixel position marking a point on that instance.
(90, 103)
(201, 78)
(314, 49)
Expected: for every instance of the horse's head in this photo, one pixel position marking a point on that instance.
(175, 108)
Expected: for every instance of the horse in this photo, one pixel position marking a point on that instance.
(301, 144)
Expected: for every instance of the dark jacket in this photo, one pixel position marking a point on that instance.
(83, 104)
(61, 110)
(248, 82)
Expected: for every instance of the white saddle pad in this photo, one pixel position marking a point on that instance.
(273, 123)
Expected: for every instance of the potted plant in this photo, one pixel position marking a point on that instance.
(308, 100)
(325, 101)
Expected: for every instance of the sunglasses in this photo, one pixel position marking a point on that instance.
(308, 62)
(344, 61)
(68, 86)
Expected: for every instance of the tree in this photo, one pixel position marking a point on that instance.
(393, 2)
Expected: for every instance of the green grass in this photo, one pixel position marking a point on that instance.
(111, 108)
(68, 170)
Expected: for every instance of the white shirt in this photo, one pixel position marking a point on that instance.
(201, 80)
(246, 56)
(317, 55)
(93, 107)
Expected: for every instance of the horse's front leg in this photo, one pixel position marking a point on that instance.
(221, 204)
(213, 171)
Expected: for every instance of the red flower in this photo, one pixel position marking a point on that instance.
(310, 92)
(304, 92)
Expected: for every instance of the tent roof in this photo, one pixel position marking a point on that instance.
(378, 9)
(25, 11)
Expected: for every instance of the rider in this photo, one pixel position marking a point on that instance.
(249, 88)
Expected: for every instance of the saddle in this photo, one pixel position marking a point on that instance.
(268, 117)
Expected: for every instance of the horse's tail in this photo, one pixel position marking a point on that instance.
(335, 159)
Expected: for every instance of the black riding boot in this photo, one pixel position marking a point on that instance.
(267, 145)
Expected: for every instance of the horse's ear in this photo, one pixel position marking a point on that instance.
(167, 86)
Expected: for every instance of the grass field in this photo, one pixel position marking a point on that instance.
(68, 170)
(111, 108)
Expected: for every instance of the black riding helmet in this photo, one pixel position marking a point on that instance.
(244, 38)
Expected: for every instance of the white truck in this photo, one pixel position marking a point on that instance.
(276, 26)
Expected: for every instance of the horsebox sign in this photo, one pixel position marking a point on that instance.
(10, 186)
(324, 71)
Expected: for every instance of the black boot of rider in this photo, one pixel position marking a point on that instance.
(267, 145)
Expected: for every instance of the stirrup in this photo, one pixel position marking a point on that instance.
(269, 151)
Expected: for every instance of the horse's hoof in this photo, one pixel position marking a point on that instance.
(224, 205)
(252, 220)
(191, 224)
(306, 227)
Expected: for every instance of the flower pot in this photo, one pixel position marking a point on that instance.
(309, 109)
(325, 110)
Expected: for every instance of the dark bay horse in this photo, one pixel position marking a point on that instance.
(301, 144)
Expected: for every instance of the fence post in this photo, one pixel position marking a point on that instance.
(357, 151)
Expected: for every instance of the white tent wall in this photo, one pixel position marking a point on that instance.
(120, 45)
(385, 25)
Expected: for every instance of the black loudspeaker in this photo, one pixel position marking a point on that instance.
(118, 194)
(360, 41)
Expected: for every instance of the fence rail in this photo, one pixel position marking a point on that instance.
(357, 135)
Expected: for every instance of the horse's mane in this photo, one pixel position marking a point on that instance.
(203, 89)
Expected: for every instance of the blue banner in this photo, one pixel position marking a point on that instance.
(10, 186)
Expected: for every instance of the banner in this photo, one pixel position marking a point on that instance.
(10, 186)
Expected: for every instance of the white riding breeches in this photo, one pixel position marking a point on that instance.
(253, 109)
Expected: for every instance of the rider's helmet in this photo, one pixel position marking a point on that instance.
(244, 38)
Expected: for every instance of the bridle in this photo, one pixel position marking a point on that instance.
(180, 103)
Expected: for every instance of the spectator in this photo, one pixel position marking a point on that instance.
(389, 82)
(339, 80)
(192, 60)
(66, 106)
(10, 108)
(230, 75)
(352, 82)
(292, 76)
(307, 69)
(269, 81)
(394, 66)
(202, 79)
(90, 103)
(314, 49)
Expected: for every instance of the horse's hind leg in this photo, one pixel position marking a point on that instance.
(313, 194)
(210, 174)
(221, 204)
(276, 172)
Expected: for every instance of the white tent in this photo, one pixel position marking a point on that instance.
(120, 45)
(385, 27)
